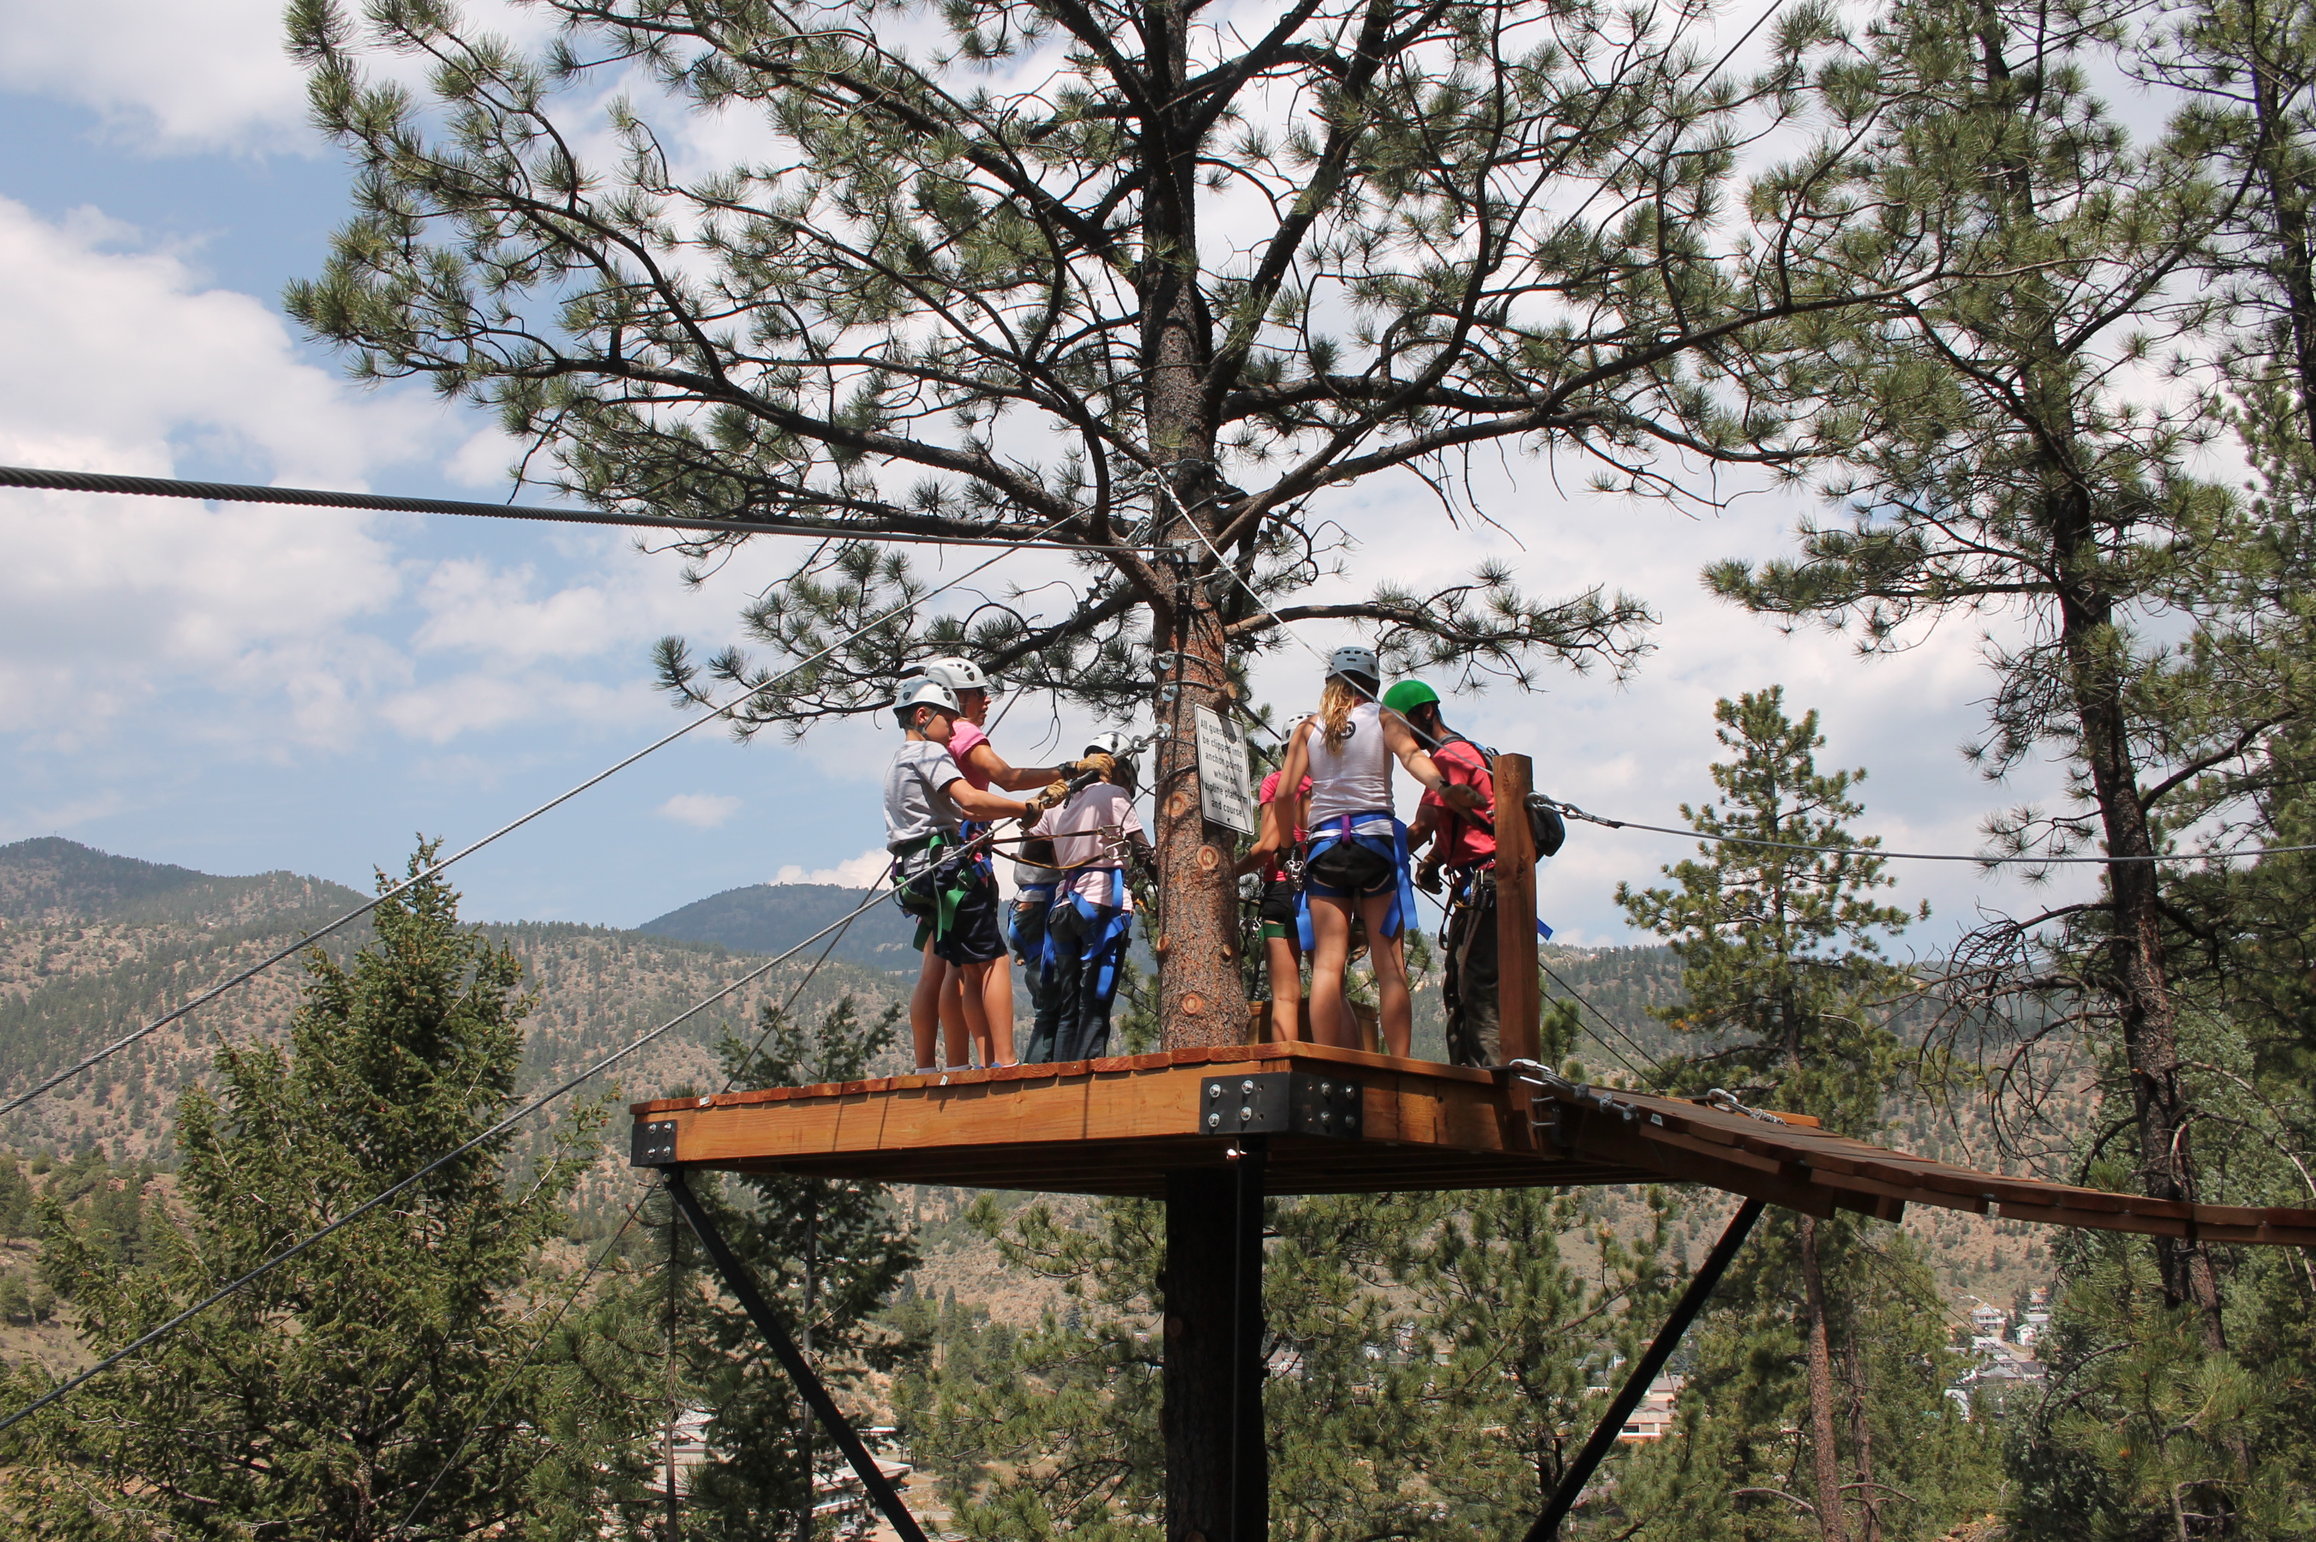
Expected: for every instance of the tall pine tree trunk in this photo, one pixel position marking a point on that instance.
(1825, 1456)
(2136, 969)
(1202, 1000)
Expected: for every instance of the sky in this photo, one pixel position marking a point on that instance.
(240, 689)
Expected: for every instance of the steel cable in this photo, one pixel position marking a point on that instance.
(363, 909)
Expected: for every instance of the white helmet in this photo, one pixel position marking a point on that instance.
(958, 674)
(924, 693)
(1120, 749)
(1355, 663)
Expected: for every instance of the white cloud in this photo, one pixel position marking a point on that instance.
(701, 810)
(852, 873)
(212, 75)
(107, 601)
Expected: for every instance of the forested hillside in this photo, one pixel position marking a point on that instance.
(93, 946)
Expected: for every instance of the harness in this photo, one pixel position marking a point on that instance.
(1392, 849)
(1096, 930)
(932, 888)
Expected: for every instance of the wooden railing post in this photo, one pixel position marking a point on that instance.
(1520, 1002)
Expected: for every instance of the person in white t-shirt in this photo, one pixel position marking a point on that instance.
(1091, 916)
(1356, 861)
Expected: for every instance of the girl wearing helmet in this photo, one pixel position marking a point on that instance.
(1357, 855)
(1091, 916)
(927, 801)
(988, 1022)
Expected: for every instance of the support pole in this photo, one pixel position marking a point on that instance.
(1217, 1461)
(1520, 999)
(1651, 1363)
(742, 1285)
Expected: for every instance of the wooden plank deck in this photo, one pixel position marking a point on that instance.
(1344, 1121)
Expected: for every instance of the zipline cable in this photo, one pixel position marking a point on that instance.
(40, 479)
(508, 828)
(506, 1384)
(153, 1335)
(1573, 812)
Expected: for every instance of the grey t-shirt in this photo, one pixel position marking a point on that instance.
(916, 797)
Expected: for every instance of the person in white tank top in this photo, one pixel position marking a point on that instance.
(1358, 848)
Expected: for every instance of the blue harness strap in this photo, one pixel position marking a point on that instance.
(1104, 927)
(1402, 909)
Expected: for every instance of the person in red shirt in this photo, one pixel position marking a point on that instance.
(1463, 860)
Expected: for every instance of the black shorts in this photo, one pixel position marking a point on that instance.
(1280, 896)
(973, 935)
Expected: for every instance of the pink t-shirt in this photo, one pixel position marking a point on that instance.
(1277, 870)
(961, 741)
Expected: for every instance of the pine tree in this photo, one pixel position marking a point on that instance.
(1778, 931)
(829, 1253)
(972, 288)
(386, 1375)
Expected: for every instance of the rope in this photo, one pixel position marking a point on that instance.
(508, 828)
(44, 480)
(1573, 812)
(154, 1335)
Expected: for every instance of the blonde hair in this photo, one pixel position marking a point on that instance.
(1335, 704)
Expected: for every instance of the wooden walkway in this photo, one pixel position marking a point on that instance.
(1341, 1121)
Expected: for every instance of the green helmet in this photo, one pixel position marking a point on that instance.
(1408, 695)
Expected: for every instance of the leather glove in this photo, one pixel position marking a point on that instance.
(1427, 876)
(1048, 796)
(1463, 799)
(1100, 764)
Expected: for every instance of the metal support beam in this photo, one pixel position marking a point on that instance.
(742, 1285)
(1644, 1371)
(1217, 1461)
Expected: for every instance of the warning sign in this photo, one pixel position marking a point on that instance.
(1225, 794)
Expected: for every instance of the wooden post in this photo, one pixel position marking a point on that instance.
(1520, 993)
(1217, 1462)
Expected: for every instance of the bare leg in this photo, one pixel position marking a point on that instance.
(1286, 967)
(997, 1007)
(973, 982)
(925, 1007)
(956, 1040)
(1388, 959)
(1330, 951)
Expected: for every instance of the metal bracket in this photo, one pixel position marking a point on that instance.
(652, 1143)
(1280, 1103)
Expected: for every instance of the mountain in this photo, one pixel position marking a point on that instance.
(51, 879)
(770, 918)
(93, 946)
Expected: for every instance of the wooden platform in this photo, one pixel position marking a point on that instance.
(1341, 1121)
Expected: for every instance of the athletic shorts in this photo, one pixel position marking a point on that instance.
(1278, 907)
(974, 936)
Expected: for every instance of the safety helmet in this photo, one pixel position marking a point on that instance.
(1120, 749)
(924, 693)
(958, 674)
(1408, 695)
(1355, 663)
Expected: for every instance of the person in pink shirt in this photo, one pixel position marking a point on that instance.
(1282, 946)
(983, 1020)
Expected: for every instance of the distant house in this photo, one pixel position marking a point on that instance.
(1988, 1321)
(1653, 1419)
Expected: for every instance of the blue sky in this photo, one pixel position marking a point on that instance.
(241, 689)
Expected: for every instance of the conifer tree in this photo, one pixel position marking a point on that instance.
(1115, 274)
(1778, 929)
(387, 1375)
(829, 1253)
